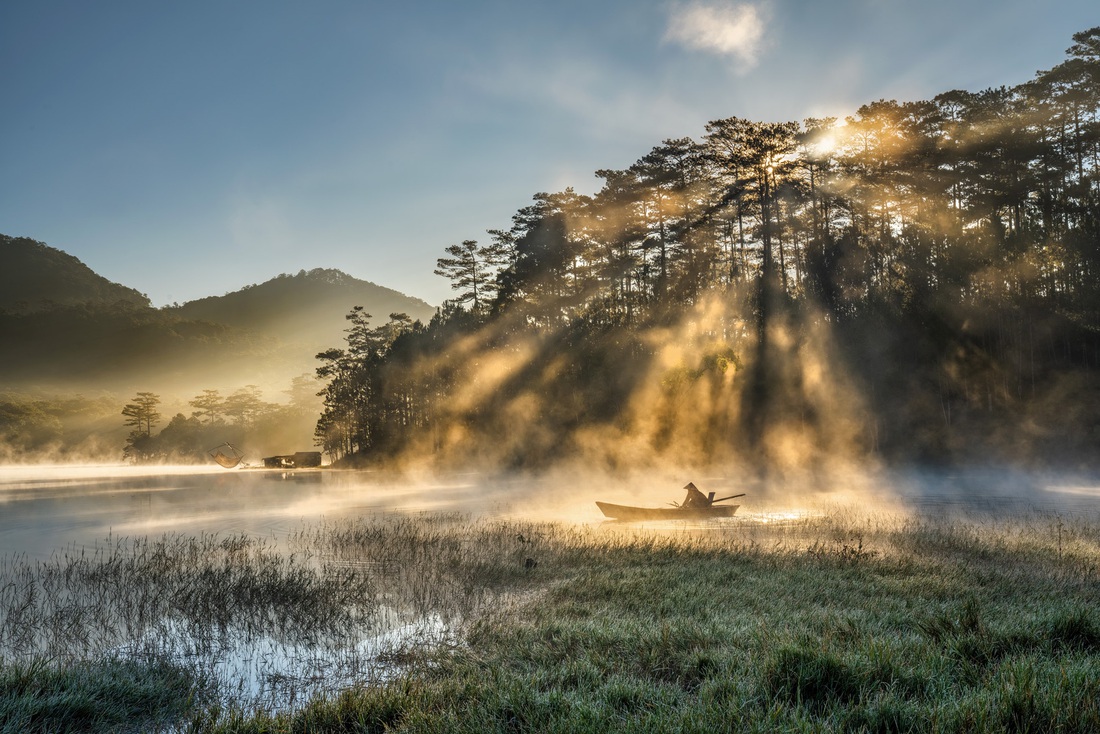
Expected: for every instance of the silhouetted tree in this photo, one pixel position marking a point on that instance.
(244, 405)
(471, 270)
(209, 406)
(141, 415)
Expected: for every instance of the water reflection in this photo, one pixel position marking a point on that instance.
(43, 509)
(62, 508)
(268, 622)
(996, 492)
(50, 508)
(279, 672)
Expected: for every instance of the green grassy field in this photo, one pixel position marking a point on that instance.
(839, 623)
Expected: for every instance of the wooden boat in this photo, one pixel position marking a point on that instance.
(696, 506)
(628, 513)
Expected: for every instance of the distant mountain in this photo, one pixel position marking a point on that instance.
(35, 276)
(306, 309)
(89, 347)
(63, 327)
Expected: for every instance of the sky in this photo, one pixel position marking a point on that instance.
(189, 149)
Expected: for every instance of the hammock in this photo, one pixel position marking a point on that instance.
(226, 460)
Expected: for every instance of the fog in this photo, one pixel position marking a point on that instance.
(46, 509)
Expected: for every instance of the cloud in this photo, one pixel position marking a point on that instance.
(727, 29)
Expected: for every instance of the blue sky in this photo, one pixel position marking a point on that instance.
(188, 149)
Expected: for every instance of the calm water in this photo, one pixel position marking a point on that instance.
(48, 508)
(44, 509)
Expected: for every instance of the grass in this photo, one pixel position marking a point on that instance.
(841, 623)
(111, 695)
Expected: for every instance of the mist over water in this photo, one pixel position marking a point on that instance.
(49, 508)
(45, 509)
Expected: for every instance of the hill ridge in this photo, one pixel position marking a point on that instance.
(109, 336)
(37, 276)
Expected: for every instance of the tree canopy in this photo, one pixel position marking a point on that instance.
(917, 280)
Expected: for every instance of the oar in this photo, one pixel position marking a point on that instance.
(731, 497)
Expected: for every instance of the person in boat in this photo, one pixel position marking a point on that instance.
(695, 499)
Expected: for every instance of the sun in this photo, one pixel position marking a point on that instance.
(824, 146)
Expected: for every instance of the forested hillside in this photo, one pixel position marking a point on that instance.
(916, 282)
(75, 346)
(304, 309)
(35, 276)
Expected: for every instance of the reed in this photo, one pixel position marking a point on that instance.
(840, 622)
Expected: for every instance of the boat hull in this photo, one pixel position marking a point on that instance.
(626, 512)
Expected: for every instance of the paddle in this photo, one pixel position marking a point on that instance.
(731, 497)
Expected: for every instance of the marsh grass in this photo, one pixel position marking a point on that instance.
(99, 696)
(840, 622)
(247, 622)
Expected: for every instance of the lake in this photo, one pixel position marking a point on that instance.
(47, 508)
